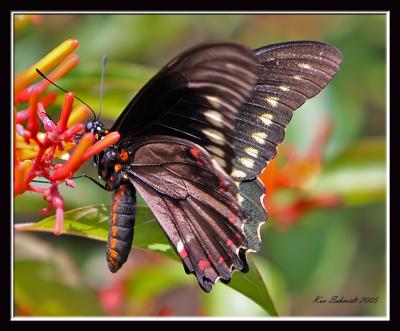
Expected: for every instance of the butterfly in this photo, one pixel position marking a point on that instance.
(194, 140)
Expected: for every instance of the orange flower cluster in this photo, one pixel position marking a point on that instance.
(298, 174)
(41, 144)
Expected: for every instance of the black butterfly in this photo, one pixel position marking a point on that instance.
(214, 110)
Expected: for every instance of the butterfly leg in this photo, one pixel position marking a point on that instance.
(103, 186)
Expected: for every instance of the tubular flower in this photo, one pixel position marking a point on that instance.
(298, 174)
(41, 145)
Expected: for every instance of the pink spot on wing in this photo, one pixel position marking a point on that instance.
(232, 219)
(203, 264)
(234, 209)
(229, 243)
(223, 184)
(183, 253)
(196, 153)
(220, 260)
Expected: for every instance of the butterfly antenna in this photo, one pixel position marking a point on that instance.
(59, 87)
(103, 67)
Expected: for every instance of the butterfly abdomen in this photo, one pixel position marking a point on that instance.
(120, 234)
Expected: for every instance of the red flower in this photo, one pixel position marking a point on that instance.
(112, 297)
(298, 174)
(40, 144)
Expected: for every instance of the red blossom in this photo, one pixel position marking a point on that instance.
(40, 144)
(112, 297)
(298, 174)
(166, 310)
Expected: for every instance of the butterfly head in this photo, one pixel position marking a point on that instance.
(107, 160)
(96, 128)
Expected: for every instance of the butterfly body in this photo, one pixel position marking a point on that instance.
(194, 140)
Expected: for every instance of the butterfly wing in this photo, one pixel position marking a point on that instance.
(195, 97)
(288, 75)
(195, 203)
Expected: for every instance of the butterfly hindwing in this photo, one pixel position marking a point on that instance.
(196, 97)
(251, 200)
(287, 75)
(195, 203)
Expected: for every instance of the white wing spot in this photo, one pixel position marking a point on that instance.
(231, 65)
(179, 246)
(297, 77)
(273, 101)
(247, 162)
(262, 204)
(215, 136)
(259, 137)
(216, 150)
(304, 65)
(284, 88)
(238, 173)
(268, 115)
(266, 118)
(215, 118)
(220, 161)
(214, 101)
(251, 151)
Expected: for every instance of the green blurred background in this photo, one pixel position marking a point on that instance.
(328, 251)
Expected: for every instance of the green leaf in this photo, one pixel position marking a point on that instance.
(358, 174)
(92, 222)
(252, 285)
(40, 289)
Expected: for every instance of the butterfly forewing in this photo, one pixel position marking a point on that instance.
(287, 75)
(196, 97)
